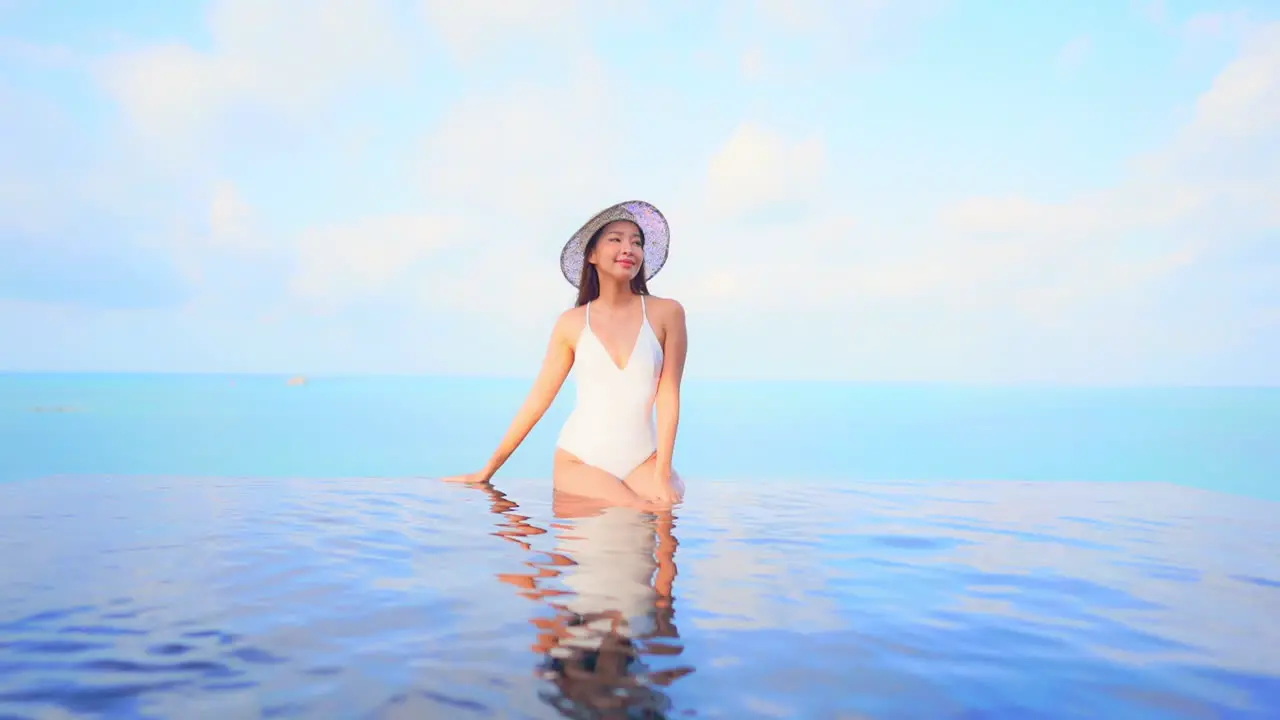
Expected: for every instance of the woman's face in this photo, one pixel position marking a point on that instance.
(619, 253)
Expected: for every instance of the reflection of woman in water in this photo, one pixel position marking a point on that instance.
(615, 606)
(627, 350)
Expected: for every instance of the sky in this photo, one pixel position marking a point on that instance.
(958, 191)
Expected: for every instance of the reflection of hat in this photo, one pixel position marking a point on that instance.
(657, 238)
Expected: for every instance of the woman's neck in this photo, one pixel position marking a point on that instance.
(615, 294)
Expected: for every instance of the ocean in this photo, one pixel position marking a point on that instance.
(237, 546)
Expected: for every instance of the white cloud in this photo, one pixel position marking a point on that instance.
(344, 263)
(212, 255)
(1244, 101)
(280, 63)
(235, 258)
(1001, 214)
(759, 169)
(526, 148)
(472, 29)
(782, 39)
(753, 63)
(231, 220)
(285, 57)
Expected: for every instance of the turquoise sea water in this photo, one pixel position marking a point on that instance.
(223, 547)
(1215, 439)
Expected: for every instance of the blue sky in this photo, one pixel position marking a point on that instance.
(921, 190)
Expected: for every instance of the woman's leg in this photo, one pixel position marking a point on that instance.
(574, 477)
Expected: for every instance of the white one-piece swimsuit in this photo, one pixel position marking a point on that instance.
(611, 426)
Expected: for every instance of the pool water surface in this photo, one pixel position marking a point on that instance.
(207, 597)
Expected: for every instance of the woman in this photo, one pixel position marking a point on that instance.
(627, 348)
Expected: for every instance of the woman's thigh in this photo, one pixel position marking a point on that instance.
(641, 480)
(574, 477)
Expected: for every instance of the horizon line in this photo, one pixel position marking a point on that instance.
(312, 376)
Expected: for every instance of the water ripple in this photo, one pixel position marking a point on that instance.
(168, 597)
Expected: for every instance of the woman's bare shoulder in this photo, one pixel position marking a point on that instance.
(570, 323)
(666, 309)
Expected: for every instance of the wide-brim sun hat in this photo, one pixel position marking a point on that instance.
(657, 238)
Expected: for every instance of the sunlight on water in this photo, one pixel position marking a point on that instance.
(228, 598)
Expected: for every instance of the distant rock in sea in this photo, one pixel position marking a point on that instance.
(298, 380)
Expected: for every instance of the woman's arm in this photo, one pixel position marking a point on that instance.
(674, 349)
(555, 368)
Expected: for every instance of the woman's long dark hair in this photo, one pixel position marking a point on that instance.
(589, 283)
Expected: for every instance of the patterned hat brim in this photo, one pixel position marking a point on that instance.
(657, 238)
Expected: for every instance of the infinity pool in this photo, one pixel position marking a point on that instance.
(210, 597)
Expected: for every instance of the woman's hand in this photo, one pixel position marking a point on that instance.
(663, 492)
